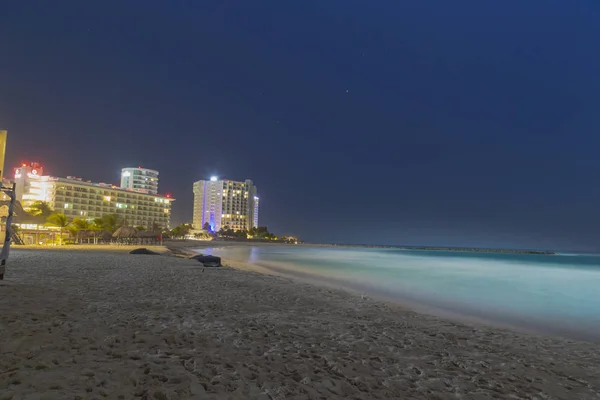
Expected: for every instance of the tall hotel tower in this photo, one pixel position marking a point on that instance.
(140, 179)
(225, 204)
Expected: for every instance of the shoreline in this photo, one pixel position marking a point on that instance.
(440, 248)
(374, 246)
(449, 312)
(110, 324)
(187, 248)
(403, 305)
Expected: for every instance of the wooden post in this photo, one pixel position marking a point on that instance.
(3, 135)
(8, 232)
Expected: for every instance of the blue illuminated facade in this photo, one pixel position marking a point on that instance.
(225, 204)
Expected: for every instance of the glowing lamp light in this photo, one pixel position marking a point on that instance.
(34, 171)
(126, 174)
(213, 178)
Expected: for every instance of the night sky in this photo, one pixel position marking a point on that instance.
(430, 122)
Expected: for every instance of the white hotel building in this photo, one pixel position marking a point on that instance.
(225, 204)
(83, 199)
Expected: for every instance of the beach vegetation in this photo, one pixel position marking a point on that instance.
(180, 231)
(110, 222)
(203, 235)
(261, 232)
(80, 228)
(41, 208)
(61, 221)
(96, 229)
(256, 233)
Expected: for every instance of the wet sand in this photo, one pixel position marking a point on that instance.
(106, 324)
(422, 304)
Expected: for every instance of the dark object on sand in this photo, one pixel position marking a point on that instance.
(208, 261)
(144, 251)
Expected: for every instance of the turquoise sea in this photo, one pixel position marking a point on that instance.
(550, 293)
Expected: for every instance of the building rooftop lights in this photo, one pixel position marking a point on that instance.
(213, 178)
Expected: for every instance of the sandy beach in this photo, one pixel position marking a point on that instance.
(106, 324)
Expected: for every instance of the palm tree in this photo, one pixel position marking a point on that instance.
(79, 226)
(110, 222)
(96, 227)
(61, 221)
(73, 231)
(82, 224)
(41, 208)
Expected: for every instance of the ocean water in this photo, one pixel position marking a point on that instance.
(551, 293)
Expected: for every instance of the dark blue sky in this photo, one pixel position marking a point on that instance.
(395, 122)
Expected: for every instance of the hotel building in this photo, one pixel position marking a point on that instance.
(83, 199)
(23, 176)
(140, 179)
(225, 204)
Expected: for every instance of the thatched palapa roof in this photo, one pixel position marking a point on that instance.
(105, 235)
(20, 216)
(125, 232)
